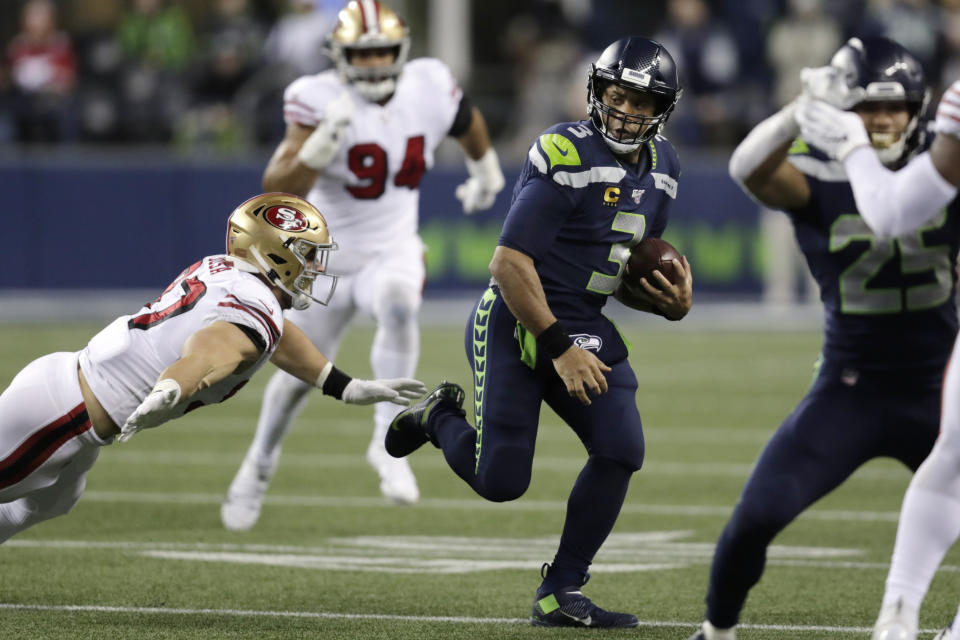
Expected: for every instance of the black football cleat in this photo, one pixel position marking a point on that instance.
(408, 431)
(568, 607)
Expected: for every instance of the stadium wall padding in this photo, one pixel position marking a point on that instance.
(135, 224)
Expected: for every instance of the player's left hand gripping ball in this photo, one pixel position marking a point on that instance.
(154, 410)
(486, 180)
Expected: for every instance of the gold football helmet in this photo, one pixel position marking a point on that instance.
(369, 24)
(285, 238)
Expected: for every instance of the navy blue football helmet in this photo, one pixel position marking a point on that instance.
(887, 72)
(640, 64)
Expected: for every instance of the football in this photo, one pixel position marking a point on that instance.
(648, 255)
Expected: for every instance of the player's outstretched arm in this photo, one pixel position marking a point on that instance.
(890, 202)
(208, 356)
(581, 370)
(296, 355)
(759, 163)
(486, 178)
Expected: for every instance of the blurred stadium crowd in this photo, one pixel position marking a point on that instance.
(210, 73)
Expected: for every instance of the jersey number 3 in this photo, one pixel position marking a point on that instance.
(368, 161)
(915, 257)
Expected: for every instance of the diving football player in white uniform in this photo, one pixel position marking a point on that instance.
(359, 139)
(196, 344)
(893, 203)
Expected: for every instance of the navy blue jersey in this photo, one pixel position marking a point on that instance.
(577, 210)
(889, 303)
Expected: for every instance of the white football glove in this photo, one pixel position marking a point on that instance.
(154, 410)
(486, 180)
(833, 131)
(320, 146)
(396, 390)
(828, 84)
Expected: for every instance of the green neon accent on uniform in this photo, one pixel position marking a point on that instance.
(560, 150)
(481, 331)
(817, 366)
(653, 154)
(626, 342)
(548, 604)
(798, 146)
(528, 346)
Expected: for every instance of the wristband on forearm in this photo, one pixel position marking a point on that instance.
(332, 381)
(554, 341)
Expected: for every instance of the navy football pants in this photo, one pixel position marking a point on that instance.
(835, 429)
(496, 457)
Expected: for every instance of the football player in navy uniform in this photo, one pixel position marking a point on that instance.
(588, 191)
(890, 316)
(894, 203)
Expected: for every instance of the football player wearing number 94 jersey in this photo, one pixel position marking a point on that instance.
(890, 313)
(198, 343)
(359, 139)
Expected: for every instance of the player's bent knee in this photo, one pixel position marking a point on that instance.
(396, 304)
(503, 487)
(628, 455)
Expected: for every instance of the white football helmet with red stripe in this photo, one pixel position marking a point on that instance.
(285, 238)
(369, 24)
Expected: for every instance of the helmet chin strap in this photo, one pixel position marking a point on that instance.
(300, 301)
(890, 154)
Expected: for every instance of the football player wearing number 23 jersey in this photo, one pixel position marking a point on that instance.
(889, 304)
(587, 193)
(359, 139)
(198, 343)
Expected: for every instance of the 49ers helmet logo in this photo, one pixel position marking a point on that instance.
(286, 218)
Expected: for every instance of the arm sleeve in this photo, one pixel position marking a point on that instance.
(461, 121)
(535, 217)
(894, 202)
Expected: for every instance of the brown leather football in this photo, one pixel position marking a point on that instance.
(646, 256)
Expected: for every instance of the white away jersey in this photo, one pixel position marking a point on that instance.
(370, 192)
(123, 361)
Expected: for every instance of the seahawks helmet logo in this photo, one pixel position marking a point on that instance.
(587, 341)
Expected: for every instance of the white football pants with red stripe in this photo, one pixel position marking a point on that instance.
(47, 444)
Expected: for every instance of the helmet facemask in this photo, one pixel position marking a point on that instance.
(364, 25)
(624, 142)
(313, 259)
(881, 70)
(892, 150)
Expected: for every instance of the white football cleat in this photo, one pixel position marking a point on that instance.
(397, 482)
(241, 508)
(896, 622)
(943, 634)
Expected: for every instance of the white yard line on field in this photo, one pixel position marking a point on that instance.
(468, 504)
(377, 616)
(542, 463)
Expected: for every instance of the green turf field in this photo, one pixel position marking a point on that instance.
(143, 555)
